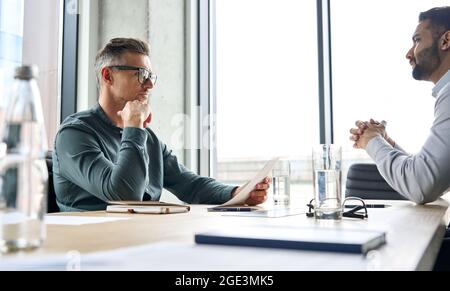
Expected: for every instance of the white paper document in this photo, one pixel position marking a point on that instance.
(244, 194)
(78, 220)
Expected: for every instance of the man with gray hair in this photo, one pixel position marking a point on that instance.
(108, 153)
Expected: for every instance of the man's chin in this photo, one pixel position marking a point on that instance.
(142, 97)
(417, 74)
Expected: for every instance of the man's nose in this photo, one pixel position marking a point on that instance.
(409, 54)
(148, 84)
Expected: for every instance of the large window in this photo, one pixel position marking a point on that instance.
(371, 75)
(267, 88)
(29, 34)
(11, 32)
(11, 39)
(266, 80)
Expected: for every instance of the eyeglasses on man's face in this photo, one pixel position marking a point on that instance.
(143, 74)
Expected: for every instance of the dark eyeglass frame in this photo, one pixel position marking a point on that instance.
(351, 213)
(143, 74)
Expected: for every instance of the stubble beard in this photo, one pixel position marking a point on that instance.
(429, 61)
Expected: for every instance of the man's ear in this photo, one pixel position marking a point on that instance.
(445, 41)
(107, 76)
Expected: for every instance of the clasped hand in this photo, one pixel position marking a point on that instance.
(366, 131)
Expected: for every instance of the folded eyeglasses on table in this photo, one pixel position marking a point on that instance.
(356, 211)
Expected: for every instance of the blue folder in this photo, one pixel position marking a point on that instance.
(313, 239)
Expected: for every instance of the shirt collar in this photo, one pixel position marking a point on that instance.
(98, 110)
(441, 83)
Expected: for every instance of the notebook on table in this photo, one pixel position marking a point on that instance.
(314, 239)
(149, 207)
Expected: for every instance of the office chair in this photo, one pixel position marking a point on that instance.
(365, 181)
(51, 196)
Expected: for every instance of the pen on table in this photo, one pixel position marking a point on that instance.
(369, 206)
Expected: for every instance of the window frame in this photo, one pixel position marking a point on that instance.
(69, 60)
(207, 82)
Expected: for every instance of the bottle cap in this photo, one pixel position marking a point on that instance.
(26, 72)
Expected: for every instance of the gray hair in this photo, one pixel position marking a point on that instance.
(112, 53)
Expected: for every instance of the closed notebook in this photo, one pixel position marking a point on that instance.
(314, 239)
(149, 207)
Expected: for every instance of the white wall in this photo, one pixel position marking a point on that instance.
(167, 40)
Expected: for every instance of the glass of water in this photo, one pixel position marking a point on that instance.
(281, 184)
(327, 160)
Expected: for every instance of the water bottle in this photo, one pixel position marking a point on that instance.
(23, 171)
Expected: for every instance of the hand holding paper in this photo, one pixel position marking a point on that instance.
(244, 192)
(259, 193)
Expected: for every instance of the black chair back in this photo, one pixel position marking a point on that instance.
(51, 196)
(365, 181)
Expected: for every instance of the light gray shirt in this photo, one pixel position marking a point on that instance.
(425, 176)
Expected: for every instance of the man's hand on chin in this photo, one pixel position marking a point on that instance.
(135, 114)
(148, 120)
